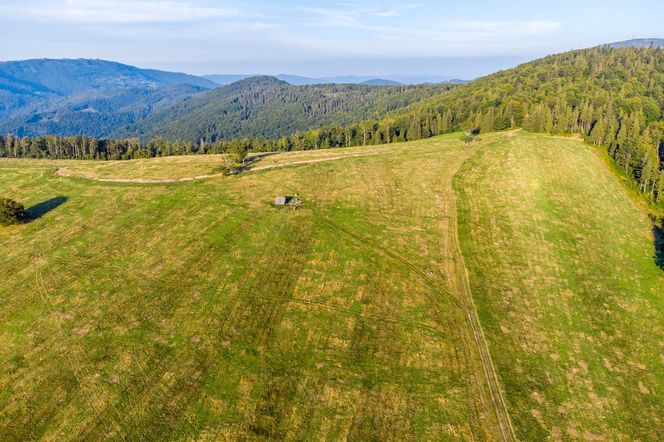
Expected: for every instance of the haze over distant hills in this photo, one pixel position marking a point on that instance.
(91, 97)
(374, 80)
(67, 77)
(639, 43)
(107, 99)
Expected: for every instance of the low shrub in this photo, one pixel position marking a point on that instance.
(11, 212)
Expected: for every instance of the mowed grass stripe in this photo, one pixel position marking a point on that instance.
(569, 295)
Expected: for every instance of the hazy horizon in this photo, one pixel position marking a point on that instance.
(316, 38)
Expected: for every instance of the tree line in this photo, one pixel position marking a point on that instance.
(613, 97)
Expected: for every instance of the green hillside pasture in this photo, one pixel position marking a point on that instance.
(571, 299)
(187, 167)
(200, 310)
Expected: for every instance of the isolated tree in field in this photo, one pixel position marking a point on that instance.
(237, 151)
(11, 212)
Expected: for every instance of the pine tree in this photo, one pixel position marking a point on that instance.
(598, 132)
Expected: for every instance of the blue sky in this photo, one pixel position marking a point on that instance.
(318, 38)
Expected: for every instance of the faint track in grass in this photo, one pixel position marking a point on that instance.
(78, 369)
(64, 172)
(507, 432)
(221, 288)
(374, 246)
(459, 273)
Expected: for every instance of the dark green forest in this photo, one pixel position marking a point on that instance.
(265, 107)
(612, 97)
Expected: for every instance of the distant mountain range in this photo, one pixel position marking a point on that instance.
(639, 43)
(107, 99)
(381, 82)
(68, 77)
(91, 97)
(297, 80)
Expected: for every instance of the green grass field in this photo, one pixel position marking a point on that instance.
(198, 310)
(563, 273)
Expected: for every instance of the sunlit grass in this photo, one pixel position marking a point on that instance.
(201, 310)
(563, 271)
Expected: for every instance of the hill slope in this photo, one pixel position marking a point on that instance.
(104, 99)
(265, 107)
(297, 80)
(381, 82)
(36, 96)
(97, 113)
(211, 313)
(199, 310)
(69, 77)
(578, 348)
(613, 97)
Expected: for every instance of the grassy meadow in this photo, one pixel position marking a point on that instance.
(199, 310)
(570, 297)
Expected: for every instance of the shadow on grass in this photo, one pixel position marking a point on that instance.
(257, 156)
(658, 231)
(41, 209)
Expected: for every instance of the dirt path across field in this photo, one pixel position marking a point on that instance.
(459, 283)
(64, 172)
(458, 287)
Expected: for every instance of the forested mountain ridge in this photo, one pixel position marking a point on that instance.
(97, 113)
(68, 77)
(298, 80)
(102, 99)
(36, 96)
(266, 107)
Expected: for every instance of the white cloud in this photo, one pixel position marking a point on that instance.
(179, 31)
(352, 17)
(115, 11)
(411, 31)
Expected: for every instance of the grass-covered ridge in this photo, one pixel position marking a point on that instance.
(613, 97)
(564, 274)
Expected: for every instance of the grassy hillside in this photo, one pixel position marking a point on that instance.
(612, 97)
(563, 272)
(200, 310)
